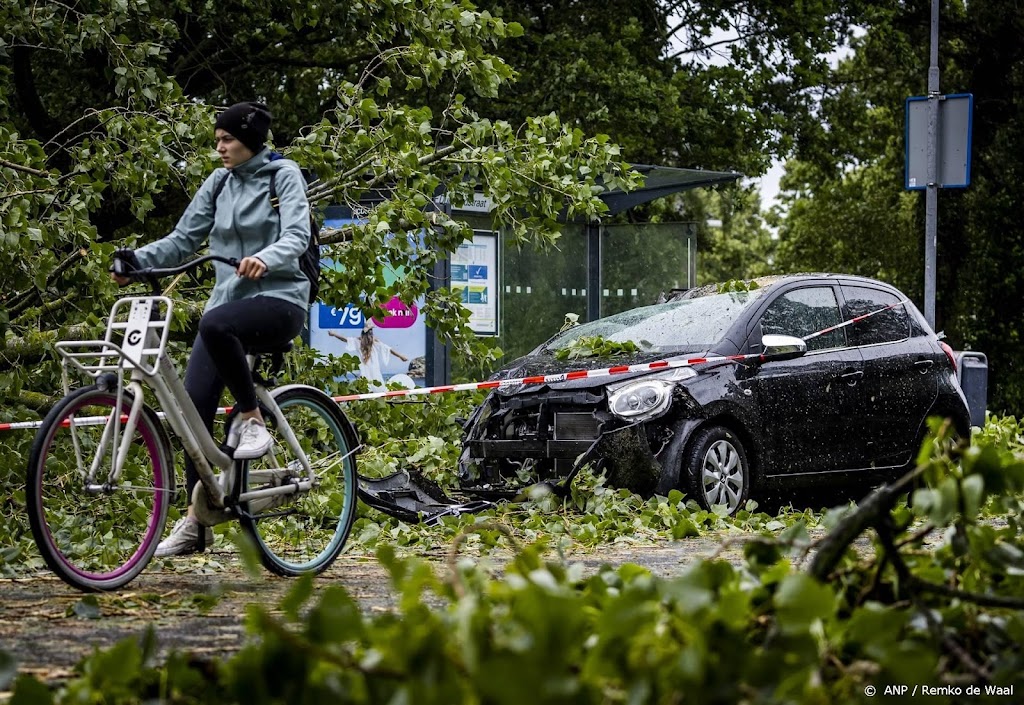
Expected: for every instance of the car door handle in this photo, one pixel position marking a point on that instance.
(924, 365)
(852, 377)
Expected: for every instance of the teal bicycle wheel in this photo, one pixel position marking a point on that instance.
(303, 532)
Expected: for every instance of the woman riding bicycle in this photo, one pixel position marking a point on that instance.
(262, 302)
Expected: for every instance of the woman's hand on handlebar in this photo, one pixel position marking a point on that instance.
(251, 268)
(125, 262)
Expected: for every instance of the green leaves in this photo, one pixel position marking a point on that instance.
(29, 691)
(8, 670)
(595, 346)
(736, 285)
(593, 515)
(800, 601)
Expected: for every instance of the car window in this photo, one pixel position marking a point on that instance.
(801, 312)
(676, 325)
(885, 327)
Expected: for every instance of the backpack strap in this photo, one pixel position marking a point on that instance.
(275, 202)
(217, 189)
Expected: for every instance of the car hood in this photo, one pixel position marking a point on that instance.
(547, 364)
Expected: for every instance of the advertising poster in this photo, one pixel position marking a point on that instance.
(475, 276)
(390, 348)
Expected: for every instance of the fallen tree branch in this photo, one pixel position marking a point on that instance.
(869, 513)
(327, 188)
(954, 647)
(49, 306)
(451, 562)
(914, 584)
(336, 657)
(36, 401)
(34, 346)
(22, 168)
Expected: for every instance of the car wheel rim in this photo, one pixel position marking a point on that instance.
(723, 475)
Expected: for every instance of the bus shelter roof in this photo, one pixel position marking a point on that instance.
(662, 181)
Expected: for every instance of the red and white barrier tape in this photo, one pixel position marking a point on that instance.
(856, 319)
(496, 384)
(548, 379)
(86, 420)
(586, 374)
(465, 387)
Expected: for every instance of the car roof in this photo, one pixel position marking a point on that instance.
(766, 282)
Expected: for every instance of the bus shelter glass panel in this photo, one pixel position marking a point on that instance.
(538, 289)
(639, 262)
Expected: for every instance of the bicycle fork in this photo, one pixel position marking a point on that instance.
(116, 437)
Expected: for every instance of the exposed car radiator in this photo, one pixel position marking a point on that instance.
(572, 426)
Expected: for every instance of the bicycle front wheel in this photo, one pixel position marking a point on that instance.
(97, 534)
(303, 532)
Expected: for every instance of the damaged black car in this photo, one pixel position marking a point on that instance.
(807, 379)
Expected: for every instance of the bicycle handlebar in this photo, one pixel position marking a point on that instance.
(121, 270)
(151, 275)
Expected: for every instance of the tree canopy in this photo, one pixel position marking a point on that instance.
(105, 130)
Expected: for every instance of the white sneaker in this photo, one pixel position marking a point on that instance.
(253, 440)
(184, 539)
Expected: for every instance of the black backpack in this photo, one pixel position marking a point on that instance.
(309, 260)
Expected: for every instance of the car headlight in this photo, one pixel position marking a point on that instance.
(643, 398)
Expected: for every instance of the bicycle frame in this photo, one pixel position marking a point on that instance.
(141, 353)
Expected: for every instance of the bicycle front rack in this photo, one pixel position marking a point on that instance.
(143, 324)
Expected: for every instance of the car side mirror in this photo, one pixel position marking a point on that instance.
(782, 347)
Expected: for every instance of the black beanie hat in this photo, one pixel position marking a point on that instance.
(248, 123)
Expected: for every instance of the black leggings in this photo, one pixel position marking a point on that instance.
(218, 356)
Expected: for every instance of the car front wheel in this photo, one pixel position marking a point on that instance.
(717, 470)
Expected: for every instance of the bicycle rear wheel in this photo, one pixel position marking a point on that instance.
(102, 537)
(304, 532)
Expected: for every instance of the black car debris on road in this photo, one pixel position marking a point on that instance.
(850, 404)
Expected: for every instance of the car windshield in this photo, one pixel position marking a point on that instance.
(677, 325)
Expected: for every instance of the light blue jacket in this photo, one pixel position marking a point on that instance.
(245, 225)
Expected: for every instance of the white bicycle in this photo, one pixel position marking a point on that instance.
(101, 473)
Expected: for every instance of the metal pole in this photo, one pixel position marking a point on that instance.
(691, 255)
(437, 358)
(438, 354)
(931, 209)
(593, 230)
